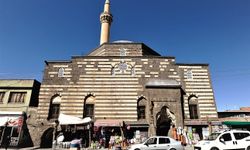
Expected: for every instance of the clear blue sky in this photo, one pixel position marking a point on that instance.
(194, 31)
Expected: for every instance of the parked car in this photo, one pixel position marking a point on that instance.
(230, 139)
(158, 143)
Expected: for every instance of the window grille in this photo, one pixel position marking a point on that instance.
(141, 112)
(1, 96)
(17, 97)
(89, 110)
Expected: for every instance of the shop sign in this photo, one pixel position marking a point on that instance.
(11, 121)
(196, 122)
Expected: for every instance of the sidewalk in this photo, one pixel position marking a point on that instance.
(37, 148)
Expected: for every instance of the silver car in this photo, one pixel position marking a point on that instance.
(158, 143)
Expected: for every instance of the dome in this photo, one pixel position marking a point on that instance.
(123, 41)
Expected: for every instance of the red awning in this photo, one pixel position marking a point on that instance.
(108, 123)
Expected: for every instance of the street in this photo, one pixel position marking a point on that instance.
(32, 148)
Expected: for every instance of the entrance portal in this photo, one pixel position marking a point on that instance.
(163, 122)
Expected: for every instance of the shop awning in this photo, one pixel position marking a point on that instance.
(108, 123)
(201, 122)
(236, 123)
(137, 124)
(69, 120)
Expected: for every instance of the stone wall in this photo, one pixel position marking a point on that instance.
(116, 83)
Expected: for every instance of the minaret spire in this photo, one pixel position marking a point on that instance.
(106, 19)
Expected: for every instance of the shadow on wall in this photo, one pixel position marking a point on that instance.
(25, 140)
(46, 139)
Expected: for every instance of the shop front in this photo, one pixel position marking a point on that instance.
(108, 133)
(73, 129)
(136, 131)
(200, 129)
(11, 126)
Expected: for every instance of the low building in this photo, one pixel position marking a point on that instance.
(236, 119)
(17, 97)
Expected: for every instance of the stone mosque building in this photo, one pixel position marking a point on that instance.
(129, 82)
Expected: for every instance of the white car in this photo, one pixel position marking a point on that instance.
(158, 143)
(231, 139)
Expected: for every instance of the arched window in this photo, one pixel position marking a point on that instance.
(123, 67)
(54, 109)
(193, 106)
(61, 72)
(133, 71)
(113, 71)
(189, 74)
(89, 106)
(141, 108)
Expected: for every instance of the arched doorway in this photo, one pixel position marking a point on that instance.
(163, 122)
(46, 139)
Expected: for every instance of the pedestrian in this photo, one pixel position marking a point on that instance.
(174, 132)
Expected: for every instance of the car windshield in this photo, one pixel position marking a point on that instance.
(213, 136)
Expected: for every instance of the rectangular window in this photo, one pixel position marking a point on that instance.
(55, 109)
(17, 97)
(89, 110)
(141, 112)
(1, 96)
(193, 111)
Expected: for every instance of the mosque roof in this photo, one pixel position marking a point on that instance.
(131, 48)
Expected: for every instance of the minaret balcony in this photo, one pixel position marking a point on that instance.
(106, 18)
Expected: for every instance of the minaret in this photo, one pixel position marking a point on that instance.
(106, 18)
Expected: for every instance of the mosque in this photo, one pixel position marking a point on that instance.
(129, 83)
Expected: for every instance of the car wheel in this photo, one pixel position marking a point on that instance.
(214, 148)
(248, 148)
(137, 149)
(172, 149)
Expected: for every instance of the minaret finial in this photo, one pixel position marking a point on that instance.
(106, 19)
